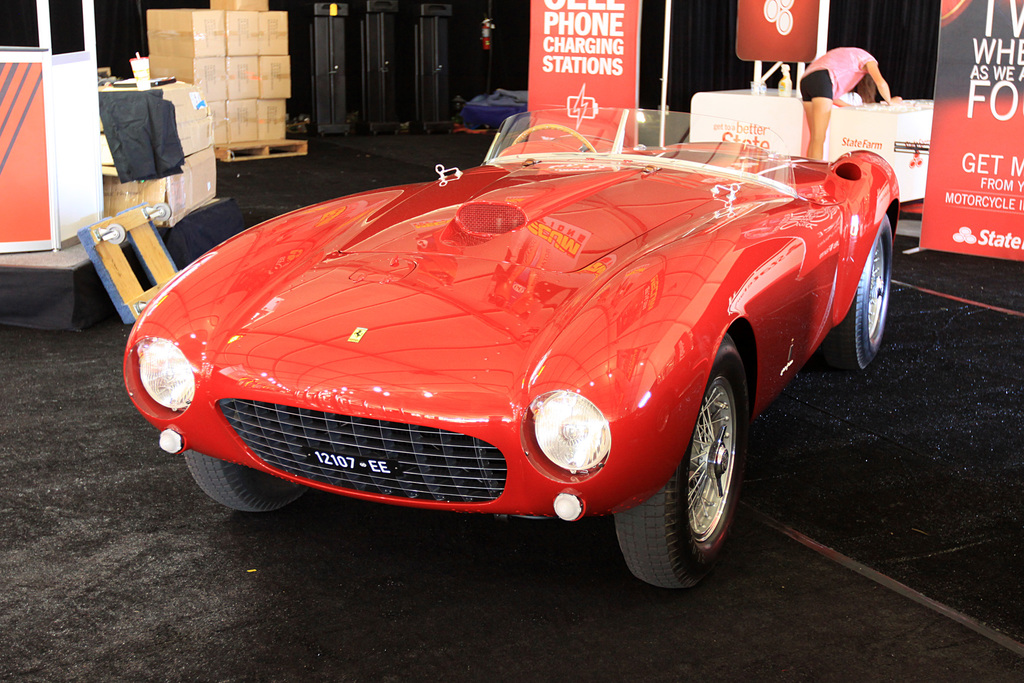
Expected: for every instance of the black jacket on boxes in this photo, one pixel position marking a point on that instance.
(142, 134)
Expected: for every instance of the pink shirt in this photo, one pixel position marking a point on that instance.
(845, 65)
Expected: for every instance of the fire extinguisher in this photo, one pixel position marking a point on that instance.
(485, 33)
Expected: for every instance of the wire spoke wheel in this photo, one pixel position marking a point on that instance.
(674, 537)
(854, 342)
(879, 292)
(712, 459)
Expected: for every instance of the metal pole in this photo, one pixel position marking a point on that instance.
(665, 54)
(666, 44)
(490, 53)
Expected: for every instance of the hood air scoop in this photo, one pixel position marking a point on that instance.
(487, 219)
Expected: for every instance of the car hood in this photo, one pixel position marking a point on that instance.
(564, 216)
(397, 333)
(367, 304)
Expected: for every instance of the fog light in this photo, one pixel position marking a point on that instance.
(171, 441)
(568, 507)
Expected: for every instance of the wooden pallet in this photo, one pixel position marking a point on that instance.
(260, 149)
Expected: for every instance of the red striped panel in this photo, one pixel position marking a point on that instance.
(24, 189)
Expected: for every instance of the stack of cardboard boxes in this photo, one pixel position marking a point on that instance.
(184, 192)
(237, 54)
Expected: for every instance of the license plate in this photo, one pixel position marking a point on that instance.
(355, 463)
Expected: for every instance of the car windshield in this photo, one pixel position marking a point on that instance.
(722, 146)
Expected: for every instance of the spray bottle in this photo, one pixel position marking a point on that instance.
(785, 83)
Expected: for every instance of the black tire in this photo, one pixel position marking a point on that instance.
(668, 542)
(239, 487)
(853, 343)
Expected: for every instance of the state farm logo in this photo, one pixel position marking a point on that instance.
(990, 238)
(965, 236)
(778, 12)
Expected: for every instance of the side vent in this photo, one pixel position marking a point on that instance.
(487, 219)
(848, 171)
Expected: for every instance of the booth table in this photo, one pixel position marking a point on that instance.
(900, 133)
(783, 115)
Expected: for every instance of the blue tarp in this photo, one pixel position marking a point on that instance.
(491, 110)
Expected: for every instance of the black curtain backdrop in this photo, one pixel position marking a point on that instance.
(902, 35)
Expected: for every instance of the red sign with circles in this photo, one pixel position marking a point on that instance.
(777, 30)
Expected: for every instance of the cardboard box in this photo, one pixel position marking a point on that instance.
(219, 116)
(243, 77)
(196, 185)
(275, 78)
(273, 38)
(242, 31)
(243, 120)
(209, 74)
(250, 5)
(271, 119)
(186, 33)
(191, 113)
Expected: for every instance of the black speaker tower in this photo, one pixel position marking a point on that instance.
(433, 110)
(329, 82)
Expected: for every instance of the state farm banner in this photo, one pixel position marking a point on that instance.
(584, 55)
(974, 199)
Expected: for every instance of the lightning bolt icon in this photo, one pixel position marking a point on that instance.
(580, 106)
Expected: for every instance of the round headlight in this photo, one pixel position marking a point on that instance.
(165, 373)
(570, 430)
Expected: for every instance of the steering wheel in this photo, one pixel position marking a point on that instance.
(554, 126)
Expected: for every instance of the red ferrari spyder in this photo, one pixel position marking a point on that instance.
(583, 325)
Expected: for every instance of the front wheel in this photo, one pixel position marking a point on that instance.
(240, 487)
(673, 539)
(853, 343)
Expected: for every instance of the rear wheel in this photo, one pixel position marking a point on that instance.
(673, 538)
(853, 343)
(239, 487)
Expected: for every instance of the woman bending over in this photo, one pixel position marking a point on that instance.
(829, 77)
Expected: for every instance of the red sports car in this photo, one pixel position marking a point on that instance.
(583, 325)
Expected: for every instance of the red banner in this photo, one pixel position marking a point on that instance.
(584, 55)
(24, 182)
(777, 30)
(974, 199)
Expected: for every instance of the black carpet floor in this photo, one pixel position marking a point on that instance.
(114, 566)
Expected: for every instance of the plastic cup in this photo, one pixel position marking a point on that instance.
(140, 69)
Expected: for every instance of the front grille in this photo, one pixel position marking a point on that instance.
(433, 464)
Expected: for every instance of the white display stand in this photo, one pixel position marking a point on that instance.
(74, 187)
(783, 115)
(900, 133)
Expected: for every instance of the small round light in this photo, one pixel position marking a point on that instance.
(165, 373)
(171, 441)
(570, 430)
(568, 507)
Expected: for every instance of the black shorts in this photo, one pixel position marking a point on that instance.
(816, 84)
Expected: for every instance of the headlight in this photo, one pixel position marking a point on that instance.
(570, 430)
(165, 373)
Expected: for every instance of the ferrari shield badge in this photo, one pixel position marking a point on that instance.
(357, 335)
